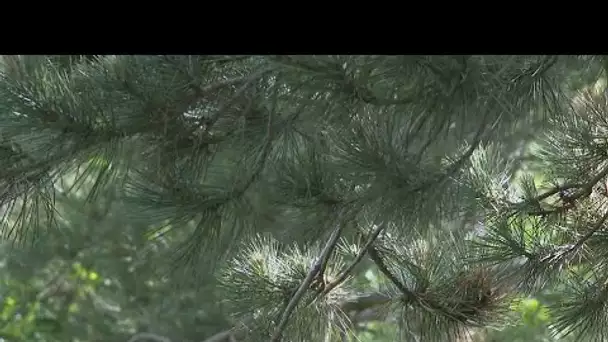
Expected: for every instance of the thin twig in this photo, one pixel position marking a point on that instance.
(377, 259)
(597, 226)
(325, 260)
(585, 188)
(346, 272)
(333, 239)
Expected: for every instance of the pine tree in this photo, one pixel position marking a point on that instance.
(290, 172)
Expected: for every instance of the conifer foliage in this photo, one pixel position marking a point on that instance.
(291, 171)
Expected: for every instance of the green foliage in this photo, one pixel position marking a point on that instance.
(320, 198)
(100, 280)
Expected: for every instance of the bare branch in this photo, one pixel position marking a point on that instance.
(329, 246)
(346, 272)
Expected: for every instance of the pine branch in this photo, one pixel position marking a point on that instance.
(324, 262)
(347, 271)
(326, 86)
(597, 226)
(585, 189)
(377, 259)
(325, 253)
